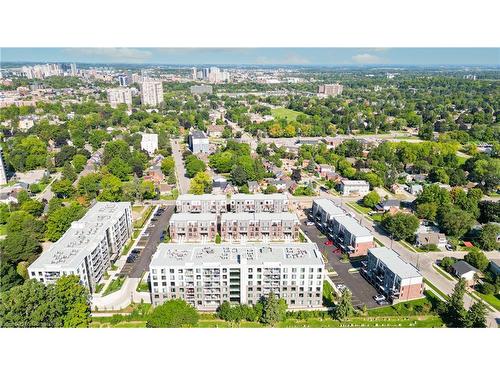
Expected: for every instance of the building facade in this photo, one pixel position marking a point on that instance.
(3, 174)
(354, 187)
(189, 227)
(392, 276)
(259, 203)
(330, 89)
(151, 93)
(88, 247)
(201, 89)
(204, 203)
(265, 226)
(198, 142)
(118, 96)
(149, 143)
(207, 275)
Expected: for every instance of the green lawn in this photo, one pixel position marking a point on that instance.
(494, 301)
(328, 294)
(417, 307)
(3, 230)
(360, 209)
(288, 114)
(435, 289)
(98, 288)
(443, 273)
(143, 287)
(139, 223)
(115, 285)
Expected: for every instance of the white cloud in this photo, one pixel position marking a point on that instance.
(366, 58)
(112, 54)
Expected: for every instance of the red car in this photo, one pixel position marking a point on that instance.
(329, 243)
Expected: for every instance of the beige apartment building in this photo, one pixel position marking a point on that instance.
(188, 227)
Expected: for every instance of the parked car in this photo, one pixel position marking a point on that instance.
(382, 303)
(329, 243)
(341, 287)
(310, 223)
(379, 297)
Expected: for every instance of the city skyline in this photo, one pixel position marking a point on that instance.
(257, 56)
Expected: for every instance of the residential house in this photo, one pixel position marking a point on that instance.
(464, 270)
(438, 239)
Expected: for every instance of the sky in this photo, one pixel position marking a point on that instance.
(258, 56)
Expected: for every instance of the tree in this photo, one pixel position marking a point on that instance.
(447, 263)
(270, 189)
(63, 188)
(32, 304)
(274, 310)
(455, 222)
(476, 258)
(402, 226)
(79, 162)
(148, 190)
(490, 211)
(224, 311)
(371, 199)
(9, 277)
(238, 175)
(168, 165)
(344, 309)
(19, 246)
(24, 223)
(427, 211)
(33, 207)
(60, 220)
(69, 172)
(488, 237)
(112, 189)
(89, 185)
(456, 314)
(201, 183)
(116, 149)
(174, 313)
(476, 316)
(64, 155)
(296, 176)
(119, 168)
(28, 154)
(194, 165)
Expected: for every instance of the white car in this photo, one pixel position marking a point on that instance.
(310, 223)
(379, 298)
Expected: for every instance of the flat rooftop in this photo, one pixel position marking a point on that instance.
(82, 237)
(201, 197)
(186, 216)
(352, 226)
(263, 216)
(392, 261)
(198, 134)
(168, 254)
(260, 196)
(354, 182)
(328, 206)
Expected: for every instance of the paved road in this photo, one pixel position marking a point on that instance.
(47, 193)
(180, 171)
(362, 291)
(150, 243)
(424, 261)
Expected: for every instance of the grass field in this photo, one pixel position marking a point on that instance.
(443, 273)
(115, 285)
(288, 114)
(360, 209)
(494, 301)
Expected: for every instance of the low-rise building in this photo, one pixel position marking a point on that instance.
(205, 276)
(259, 203)
(204, 203)
(188, 227)
(389, 205)
(88, 247)
(201, 89)
(198, 142)
(464, 270)
(149, 143)
(324, 211)
(353, 238)
(264, 226)
(392, 276)
(431, 238)
(354, 187)
(323, 169)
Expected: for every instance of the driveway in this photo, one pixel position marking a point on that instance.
(362, 291)
(180, 171)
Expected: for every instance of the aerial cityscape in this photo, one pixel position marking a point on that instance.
(285, 190)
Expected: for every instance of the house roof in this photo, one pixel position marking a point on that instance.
(462, 267)
(393, 261)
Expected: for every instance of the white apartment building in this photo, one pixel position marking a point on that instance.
(193, 227)
(149, 143)
(88, 247)
(354, 187)
(207, 275)
(330, 89)
(277, 202)
(118, 96)
(263, 226)
(198, 142)
(151, 93)
(204, 203)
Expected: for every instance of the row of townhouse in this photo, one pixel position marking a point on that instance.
(234, 227)
(217, 204)
(208, 275)
(396, 279)
(346, 231)
(88, 247)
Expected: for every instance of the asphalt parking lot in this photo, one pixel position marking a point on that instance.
(362, 291)
(147, 244)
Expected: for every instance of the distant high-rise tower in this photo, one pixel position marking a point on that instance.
(3, 175)
(123, 80)
(194, 73)
(74, 72)
(151, 93)
(118, 96)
